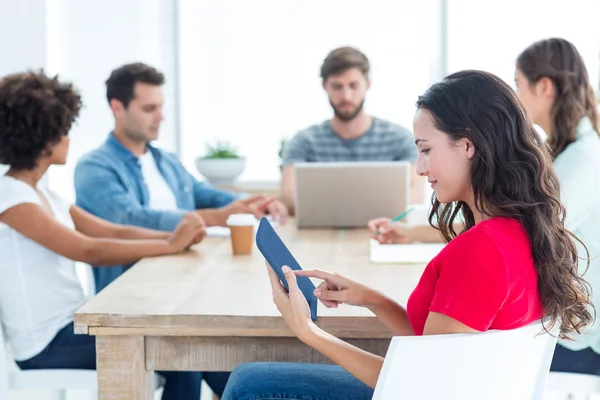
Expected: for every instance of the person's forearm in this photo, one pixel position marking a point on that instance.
(134, 232)
(428, 234)
(288, 187)
(417, 189)
(213, 217)
(425, 234)
(287, 197)
(393, 315)
(107, 252)
(289, 204)
(363, 365)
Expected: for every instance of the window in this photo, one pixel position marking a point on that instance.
(249, 71)
(86, 40)
(482, 36)
(26, 44)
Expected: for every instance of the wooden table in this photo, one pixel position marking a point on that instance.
(207, 310)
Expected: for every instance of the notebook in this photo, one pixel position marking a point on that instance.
(414, 253)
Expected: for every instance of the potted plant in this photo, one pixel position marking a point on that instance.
(282, 143)
(221, 165)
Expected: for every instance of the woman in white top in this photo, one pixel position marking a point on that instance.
(42, 235)
(553, 84)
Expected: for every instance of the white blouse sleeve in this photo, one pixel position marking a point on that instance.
(577, 177)
(14, 192)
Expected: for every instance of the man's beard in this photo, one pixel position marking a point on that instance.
(345, 116)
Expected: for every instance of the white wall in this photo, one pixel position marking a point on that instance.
(490, 37)
(86, 41)
(23, 33)
(82, 41)
(250, 70)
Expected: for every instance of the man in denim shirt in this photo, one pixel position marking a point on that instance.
(128, 181)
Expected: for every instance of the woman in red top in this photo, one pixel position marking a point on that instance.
(513, 264)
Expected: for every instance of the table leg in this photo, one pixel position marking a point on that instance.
(121, 364)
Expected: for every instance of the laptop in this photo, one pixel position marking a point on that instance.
(349, 194)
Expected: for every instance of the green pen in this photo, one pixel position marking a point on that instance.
(399, 217)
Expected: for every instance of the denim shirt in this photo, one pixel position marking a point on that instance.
(109, 183)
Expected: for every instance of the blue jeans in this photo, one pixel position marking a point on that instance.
(68, 350)
(585, 361)
(294, 381)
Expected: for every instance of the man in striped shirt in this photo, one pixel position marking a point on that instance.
(351, 135)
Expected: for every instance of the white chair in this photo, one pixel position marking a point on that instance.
(55, 381)
(582, 385)
(85, 274)
(493, 365)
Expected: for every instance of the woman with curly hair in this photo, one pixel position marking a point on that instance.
(42, 235)
(553, 84)
(514, 262)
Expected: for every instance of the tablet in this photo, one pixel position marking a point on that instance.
(277, 255)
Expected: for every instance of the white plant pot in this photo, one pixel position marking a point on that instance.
(220, 171)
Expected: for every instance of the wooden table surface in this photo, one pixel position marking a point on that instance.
(209, 310)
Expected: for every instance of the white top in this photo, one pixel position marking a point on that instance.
(160, 193)
(578, 169)
(39, 289)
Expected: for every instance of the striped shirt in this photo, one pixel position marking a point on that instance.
(384, 141)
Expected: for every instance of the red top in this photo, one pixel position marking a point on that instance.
(484, 278)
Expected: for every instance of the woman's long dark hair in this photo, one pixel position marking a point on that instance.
(559, 60)
(511, 176)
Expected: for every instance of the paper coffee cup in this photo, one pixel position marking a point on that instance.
(242, 233)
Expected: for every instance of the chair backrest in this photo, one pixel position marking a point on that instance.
(85, 275)
(511, 364)
(573, 383)
(3, 366)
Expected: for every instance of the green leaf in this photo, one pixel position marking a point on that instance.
(282, 144)
(221, 149)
